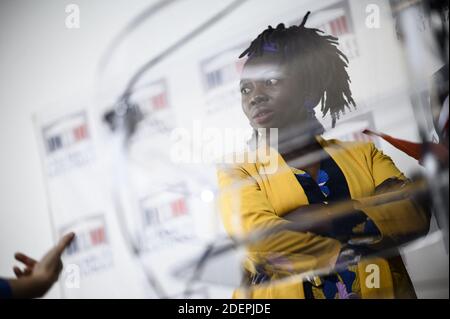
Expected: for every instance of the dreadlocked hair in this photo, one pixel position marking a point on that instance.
(319, 60)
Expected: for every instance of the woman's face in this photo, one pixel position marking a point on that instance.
(270, 92)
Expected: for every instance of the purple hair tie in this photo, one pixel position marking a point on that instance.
(270, 47)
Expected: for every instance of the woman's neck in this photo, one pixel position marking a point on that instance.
(294, 153)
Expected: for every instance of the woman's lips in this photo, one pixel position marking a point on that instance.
(263, 117)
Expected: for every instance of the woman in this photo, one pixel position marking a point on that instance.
(289, 71)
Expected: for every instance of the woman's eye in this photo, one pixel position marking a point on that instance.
(245, 91)
(271, 82)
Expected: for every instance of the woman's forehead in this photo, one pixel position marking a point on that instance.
(262, 67)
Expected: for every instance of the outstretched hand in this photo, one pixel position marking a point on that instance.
(37, 277)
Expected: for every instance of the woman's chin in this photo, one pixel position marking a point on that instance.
(269, 125)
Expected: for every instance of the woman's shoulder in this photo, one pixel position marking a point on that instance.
(239, 162)
(351, 146)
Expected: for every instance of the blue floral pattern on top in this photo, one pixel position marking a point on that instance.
(322, 180)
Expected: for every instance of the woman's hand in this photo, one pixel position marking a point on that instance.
(314, 217)
(324, 220)
(390, 185)
(38, 276)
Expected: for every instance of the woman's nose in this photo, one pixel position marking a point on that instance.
(259, 98)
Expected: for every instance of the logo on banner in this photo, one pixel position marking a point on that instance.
(221, 75)
(166, 218)
(67, 143)
(337, 21)
(153, 101)
(90, 250)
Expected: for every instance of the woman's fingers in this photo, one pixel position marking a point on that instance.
(30, 262)
(17, 272)
(21, 273)
(53, 256)
(64, 243)
(27, 271)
